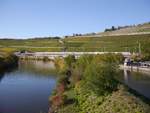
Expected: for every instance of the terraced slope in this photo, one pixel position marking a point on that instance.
(109, 43)
(30, 45)
(105, 43)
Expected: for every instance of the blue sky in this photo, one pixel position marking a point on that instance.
(35, 18)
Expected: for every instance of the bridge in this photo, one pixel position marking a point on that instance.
(53, 55)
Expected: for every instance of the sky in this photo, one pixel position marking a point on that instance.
(39, 18)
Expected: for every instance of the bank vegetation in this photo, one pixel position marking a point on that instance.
(7, 61)
(89, 85)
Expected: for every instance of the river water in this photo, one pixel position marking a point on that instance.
(138, 81)
(27, 88)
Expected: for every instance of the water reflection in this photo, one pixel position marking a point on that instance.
(137, 81)
(126, 75)
(1, 75)
(36, 67)
(27, 89)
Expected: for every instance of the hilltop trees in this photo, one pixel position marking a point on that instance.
(110, 29)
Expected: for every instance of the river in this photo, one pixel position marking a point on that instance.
(138, 81)
(27, 88)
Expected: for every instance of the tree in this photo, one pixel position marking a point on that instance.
(113, 28)
(70, 60)
(80, 67)
(99, 75)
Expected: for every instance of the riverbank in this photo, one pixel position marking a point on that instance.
(89, 85)
(119, 101)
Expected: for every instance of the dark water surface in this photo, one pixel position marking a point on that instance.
(27, 89)
(137, 81)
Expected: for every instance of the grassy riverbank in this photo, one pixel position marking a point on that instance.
(88, 84)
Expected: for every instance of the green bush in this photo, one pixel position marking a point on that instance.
(8, 60)
(80, 67)
(100, 78)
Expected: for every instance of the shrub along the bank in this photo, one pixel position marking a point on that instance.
(99, 77)
(60, 65)
(7, 61)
